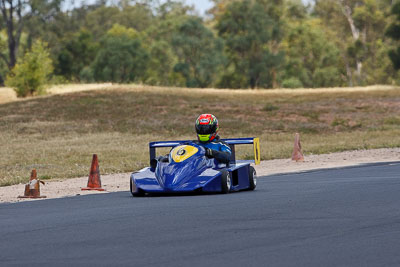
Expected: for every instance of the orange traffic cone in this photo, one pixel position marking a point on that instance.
(297, 155)
(94, 182)
(32, 189)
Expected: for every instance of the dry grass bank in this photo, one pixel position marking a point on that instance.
(8, 94)
(58, 133)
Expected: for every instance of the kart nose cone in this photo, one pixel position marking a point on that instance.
(168, 188)
(171, 182)
(173, 175)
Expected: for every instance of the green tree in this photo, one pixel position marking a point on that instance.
(3, 65)
(311, 59)
(161, 63)
(252, 33)
(357, 27)
(219, 8)
(121, 57)
(393, 31)
(139, 16)
(101, 20)
(14, 18)
(169, 16)
(78, 51)
(199, 53)
(30, 76)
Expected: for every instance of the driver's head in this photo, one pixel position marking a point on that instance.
(206, 127)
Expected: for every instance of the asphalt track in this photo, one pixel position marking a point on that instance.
(339, 217)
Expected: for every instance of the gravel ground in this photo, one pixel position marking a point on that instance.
(120, 181)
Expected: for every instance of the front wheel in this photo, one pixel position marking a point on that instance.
(136, 192)
(225, 182)
(252, 178)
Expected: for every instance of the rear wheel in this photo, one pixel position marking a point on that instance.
(225, 182)
(252, 178)
(136, 192)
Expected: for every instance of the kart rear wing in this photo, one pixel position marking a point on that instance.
(231, 142)
(245, 141)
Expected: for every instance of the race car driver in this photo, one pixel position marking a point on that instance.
(207, 135)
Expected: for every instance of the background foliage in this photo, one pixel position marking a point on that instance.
(238, 44)
(31, 74)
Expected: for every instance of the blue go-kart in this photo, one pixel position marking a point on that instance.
(186, 169)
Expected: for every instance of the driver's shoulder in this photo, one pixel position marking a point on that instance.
(222, 145)
(218, 140)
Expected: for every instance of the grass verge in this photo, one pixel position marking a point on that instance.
(57, 134)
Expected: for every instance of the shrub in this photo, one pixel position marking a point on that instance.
(270, 107)
(31, 74)
(86, 75)
(292, 83)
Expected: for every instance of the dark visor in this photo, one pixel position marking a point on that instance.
(204, 129)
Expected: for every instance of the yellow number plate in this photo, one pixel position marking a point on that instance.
(182, 153)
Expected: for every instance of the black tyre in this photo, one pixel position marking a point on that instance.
(225, 182)
(252, 178)
(135, 191)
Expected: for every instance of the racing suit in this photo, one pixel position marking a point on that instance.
(217, 149)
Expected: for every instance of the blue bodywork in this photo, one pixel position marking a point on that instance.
(196, 173)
